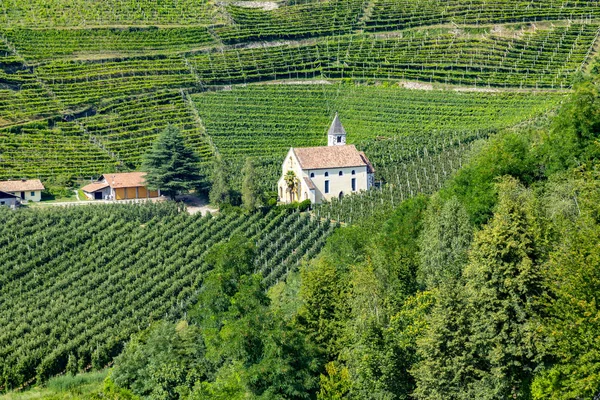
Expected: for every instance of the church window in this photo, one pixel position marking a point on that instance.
(354, 184)
(326, 173)
(312, 174)
(341, 173)
(339, 139)
(353, 172)
(326, 186)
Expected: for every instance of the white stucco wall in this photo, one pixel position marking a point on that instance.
(290, 163)
(35, 195)
(338, 184)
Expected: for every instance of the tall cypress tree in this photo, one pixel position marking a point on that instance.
(219, 191)
(170, 165)
(250, 192)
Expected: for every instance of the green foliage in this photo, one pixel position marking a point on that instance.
(336, 384)
(171, 166)
(498, 355)
(571, 321)
(162, 362)
(444, 242)
(251, 197)
(474, 185)
(573, 139)
(219, 190)
(116, 269)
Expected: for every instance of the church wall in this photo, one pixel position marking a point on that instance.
(284, 195)
(338, 183)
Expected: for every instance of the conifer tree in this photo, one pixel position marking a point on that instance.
(481, 342)
(250, 191)
(170, 165)
(219, 191)
(444, 242)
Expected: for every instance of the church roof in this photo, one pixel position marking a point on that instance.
(336, 127)
(330, 157)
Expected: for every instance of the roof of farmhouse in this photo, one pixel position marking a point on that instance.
(94, 187)
(329, 157)
(125, 179)
(22, 185)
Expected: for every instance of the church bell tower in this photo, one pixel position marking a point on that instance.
(336, 136)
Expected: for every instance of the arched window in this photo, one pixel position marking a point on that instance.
(341, 173)
(326, 173)
(312, 174)
(353, 172)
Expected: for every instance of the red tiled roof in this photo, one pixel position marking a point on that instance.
(126, 179)
(93, 187)
(21, 186)
(329, 157)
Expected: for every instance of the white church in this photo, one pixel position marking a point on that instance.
(323, 173)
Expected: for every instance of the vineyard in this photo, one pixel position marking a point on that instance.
(89, 97)
(77, 282)
(264, 121)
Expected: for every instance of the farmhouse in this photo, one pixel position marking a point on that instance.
(323, 173)
(123, 186)
(28, 190)
(8, 200)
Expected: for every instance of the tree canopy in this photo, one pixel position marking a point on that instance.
(171, 166)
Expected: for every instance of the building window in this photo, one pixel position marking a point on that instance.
(339, 139)
(326, 186)
(2, 203)
(312, 174)
(341, 173)
(32, 194)
(353, 172)
(354, 184)
(326, 173)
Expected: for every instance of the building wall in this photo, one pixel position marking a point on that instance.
(291, 164)
(338, 184)
(35, 195)
(10, 202)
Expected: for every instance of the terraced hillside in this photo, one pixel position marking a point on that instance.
(101, 79)
(264, 121)
(85, 87)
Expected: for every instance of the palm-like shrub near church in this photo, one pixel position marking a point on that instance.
(291, 181)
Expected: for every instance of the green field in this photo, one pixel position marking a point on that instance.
(78, 282)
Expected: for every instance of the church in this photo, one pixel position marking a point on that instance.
(322, 173)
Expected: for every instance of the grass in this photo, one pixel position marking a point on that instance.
(78, 387)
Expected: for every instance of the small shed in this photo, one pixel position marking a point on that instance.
(8, 200)
(121, 186)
